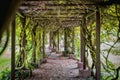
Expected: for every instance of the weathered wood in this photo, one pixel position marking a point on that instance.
(73, 37)
(58, 40)
(65, 5)
(98, 63)
(34, 50)
(65, 39)
(82, 33)
(43, 36)
(23, 40)
(7, 12)
(50, 39)
(13, 33)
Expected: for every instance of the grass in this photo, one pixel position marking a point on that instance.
(4, 63)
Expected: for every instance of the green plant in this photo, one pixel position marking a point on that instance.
(5, 74)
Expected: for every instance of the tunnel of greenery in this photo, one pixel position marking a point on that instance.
(77, 27)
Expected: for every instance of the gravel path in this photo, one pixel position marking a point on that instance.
(60, 68)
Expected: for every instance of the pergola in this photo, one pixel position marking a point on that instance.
(67, 14)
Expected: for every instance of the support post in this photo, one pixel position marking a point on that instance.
(65, 39)
(98, 63)
(40, 40)
(73, 37)
(24, 41)
(82, 33)
(43, 36)
(35, 44)
(13, 33)
(50, 39)
(58, 40)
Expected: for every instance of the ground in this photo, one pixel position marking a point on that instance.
(57, 68)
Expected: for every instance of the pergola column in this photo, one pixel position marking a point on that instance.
(43, 36)
(73, 37)
(50, 39)
(65, 39)
(35, 44)
(58, 40)
(98, 63)
(82, 33)
(13, 33)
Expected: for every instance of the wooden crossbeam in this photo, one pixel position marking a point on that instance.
(57, 17)
(70, 4)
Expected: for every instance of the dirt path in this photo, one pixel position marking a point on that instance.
(60, 68)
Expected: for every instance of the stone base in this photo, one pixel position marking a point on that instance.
(35, 65)
(80, 65)
(85, 73)
(64, 53)
(42, 61)
(72, 56)
(24, 73)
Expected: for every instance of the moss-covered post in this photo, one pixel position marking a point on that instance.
(13, 50)
(98, 63)
(82, 33)
(50, 39)
(73, 37)
(23, 40)
(43, 36)
(58, 40)
(40, 41)
(65, 39)
(35, 44)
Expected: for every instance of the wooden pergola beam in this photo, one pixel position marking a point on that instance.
(70, 4)
(73, 17)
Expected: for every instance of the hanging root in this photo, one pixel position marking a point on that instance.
(6, 42)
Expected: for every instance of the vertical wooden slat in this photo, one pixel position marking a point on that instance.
(98, 64)
(13, 50)
(82, 32)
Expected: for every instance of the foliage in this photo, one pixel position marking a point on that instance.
(5, 74)
(4, 63)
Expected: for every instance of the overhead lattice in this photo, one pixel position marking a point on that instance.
(68, 13)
